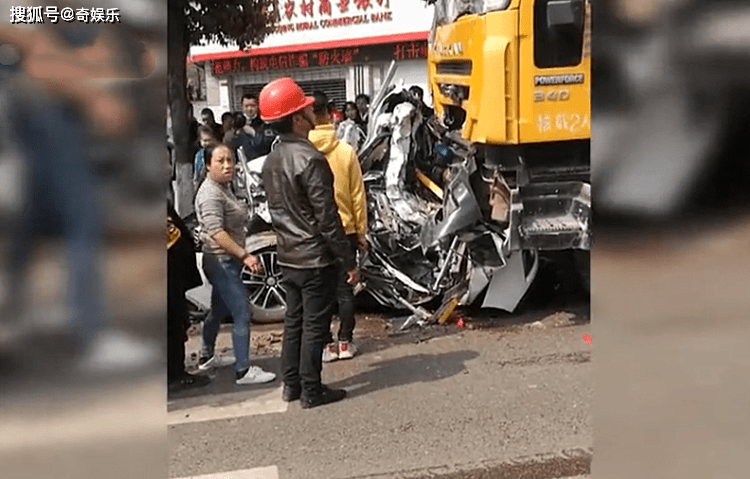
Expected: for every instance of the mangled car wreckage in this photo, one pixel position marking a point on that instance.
(443, 228)
(444, 225)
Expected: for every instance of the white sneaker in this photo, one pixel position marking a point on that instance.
(213, 362)
(114, 351)
(256, 375)
(217, 361)
(227, 359)
(330, 353)
(347, 350)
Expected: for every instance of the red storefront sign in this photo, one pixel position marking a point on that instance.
(322, 58)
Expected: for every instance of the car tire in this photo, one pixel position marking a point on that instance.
(265, 294)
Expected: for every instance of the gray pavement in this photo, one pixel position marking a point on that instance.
(672, 332)
(447, 403)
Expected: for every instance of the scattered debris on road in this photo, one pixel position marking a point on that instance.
(556, 320)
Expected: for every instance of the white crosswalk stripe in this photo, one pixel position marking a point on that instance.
(271, 472)
(267, 403)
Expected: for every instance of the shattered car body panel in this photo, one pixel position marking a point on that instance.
(509, 284)
(421, 248)
(459, 211)
(482, 237)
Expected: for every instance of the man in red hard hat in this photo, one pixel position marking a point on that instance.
(311, 240)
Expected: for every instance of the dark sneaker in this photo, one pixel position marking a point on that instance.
(291, 393)
(325, 395)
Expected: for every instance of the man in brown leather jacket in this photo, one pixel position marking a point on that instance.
(311, 241)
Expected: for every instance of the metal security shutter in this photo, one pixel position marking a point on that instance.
(334, 88)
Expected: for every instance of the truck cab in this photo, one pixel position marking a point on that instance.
(513, 78)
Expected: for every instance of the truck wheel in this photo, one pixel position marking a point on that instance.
(266, 296)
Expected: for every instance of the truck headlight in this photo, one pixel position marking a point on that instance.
(494, 5)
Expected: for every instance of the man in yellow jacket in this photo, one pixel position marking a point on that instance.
(349, 191)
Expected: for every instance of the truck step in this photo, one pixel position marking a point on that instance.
(539, 226)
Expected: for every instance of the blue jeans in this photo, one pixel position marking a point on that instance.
(228, 296)
(62, 199)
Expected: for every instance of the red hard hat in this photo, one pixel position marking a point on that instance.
(281, 98)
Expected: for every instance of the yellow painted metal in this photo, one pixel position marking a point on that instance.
(569, 116)
(446, 310)
(429, 184)
(502, 106)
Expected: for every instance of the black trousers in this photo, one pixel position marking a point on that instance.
(310, 297)
(176, 327)
(345, 301)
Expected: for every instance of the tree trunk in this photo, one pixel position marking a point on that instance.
(177, 46)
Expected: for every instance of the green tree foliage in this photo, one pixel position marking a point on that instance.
(245, 22)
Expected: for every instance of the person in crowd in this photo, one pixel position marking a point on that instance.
(337, 116)
(208, 139)
(223, 223)
(182, 275)
(311, 240)
(418, 93)
(350, 130)
(255, 144)
(240, 137)
(261, 133)
(227, 121)
(192, 131)
(250, 110)
(363, 106)
(207, 118)
(57, 124)
(335, 113)
(349, 192)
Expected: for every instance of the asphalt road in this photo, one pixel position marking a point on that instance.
(671, 332)
(504, 397)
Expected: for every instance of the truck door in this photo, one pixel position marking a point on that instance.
(554, 70)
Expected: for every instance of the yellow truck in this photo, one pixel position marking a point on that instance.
(513, 79)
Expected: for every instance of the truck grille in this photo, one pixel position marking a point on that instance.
(454, 67)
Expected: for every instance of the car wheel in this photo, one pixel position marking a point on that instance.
(266, 296)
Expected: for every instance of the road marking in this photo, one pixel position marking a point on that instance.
(268, 403)
(270, 472)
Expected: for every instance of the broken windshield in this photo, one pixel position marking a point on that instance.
(448, 11)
